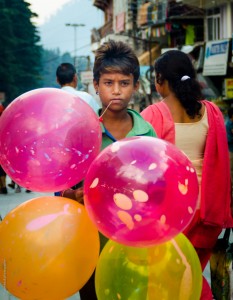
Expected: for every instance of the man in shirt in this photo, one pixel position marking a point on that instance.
(67, 78)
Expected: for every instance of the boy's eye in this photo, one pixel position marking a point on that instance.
(125, 83)
(108, 83)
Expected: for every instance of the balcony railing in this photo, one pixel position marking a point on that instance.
(101, 32)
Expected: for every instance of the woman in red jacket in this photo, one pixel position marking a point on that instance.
(196, 127)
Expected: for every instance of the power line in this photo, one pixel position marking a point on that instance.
(56, 57)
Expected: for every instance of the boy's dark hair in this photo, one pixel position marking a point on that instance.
(230, 112)
(172, 66)
(117, 57)
(65, 73)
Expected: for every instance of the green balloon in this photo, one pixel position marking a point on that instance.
(171, 270)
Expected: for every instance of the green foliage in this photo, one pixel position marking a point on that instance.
(24, 64)
(20, 53)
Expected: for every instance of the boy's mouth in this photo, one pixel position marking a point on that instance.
(116, 100)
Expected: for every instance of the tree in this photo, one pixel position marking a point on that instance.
(7, 59)
(20, 53)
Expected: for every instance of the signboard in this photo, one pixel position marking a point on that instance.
(86, 77)
(216, 58)
(229, 88)
(145, 87)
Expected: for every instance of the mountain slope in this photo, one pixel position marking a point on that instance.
(55, 34)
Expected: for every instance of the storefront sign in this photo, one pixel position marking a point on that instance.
(229, 88)
(86, 77)
(216, 57)
(144, 82)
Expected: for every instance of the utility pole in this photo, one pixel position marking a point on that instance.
(74, 25)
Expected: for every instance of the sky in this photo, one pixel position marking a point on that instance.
(45, 9)
(53, 15)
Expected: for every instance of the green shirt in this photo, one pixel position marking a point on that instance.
(140, 128)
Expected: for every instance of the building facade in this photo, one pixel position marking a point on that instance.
(201, 28)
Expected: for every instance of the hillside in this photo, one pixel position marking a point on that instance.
(55, 34)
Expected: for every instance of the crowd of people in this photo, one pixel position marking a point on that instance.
(182, 117)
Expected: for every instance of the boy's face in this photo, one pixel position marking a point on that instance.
(116, 88)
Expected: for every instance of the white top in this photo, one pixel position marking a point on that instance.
(191, 139)
(84, 96)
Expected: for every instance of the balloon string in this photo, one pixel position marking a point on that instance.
(101, 117)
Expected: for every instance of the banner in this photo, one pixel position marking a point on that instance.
(216, 58)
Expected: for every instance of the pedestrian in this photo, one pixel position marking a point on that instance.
(3, 189)
(15, 186)
(197, 127)
(67, 78)
(116, 78)
(12, 185)
(229, 129)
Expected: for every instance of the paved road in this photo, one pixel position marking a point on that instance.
(7, 203)
(12, 199)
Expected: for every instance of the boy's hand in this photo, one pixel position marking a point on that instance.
(76, 195)
(79, 195)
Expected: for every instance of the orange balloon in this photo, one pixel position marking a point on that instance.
(48, 249)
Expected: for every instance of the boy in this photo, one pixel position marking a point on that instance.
(116, 78)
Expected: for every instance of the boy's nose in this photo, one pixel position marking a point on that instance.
(116, 89)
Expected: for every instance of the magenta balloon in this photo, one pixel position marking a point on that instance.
(48, 139)
(141, 191)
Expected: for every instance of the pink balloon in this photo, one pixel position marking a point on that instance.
(141, 191)
(48, 139)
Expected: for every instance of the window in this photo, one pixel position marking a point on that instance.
(213, 27)
(213, 24)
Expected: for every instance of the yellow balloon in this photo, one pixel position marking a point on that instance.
(171, 270)
(48, 249)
